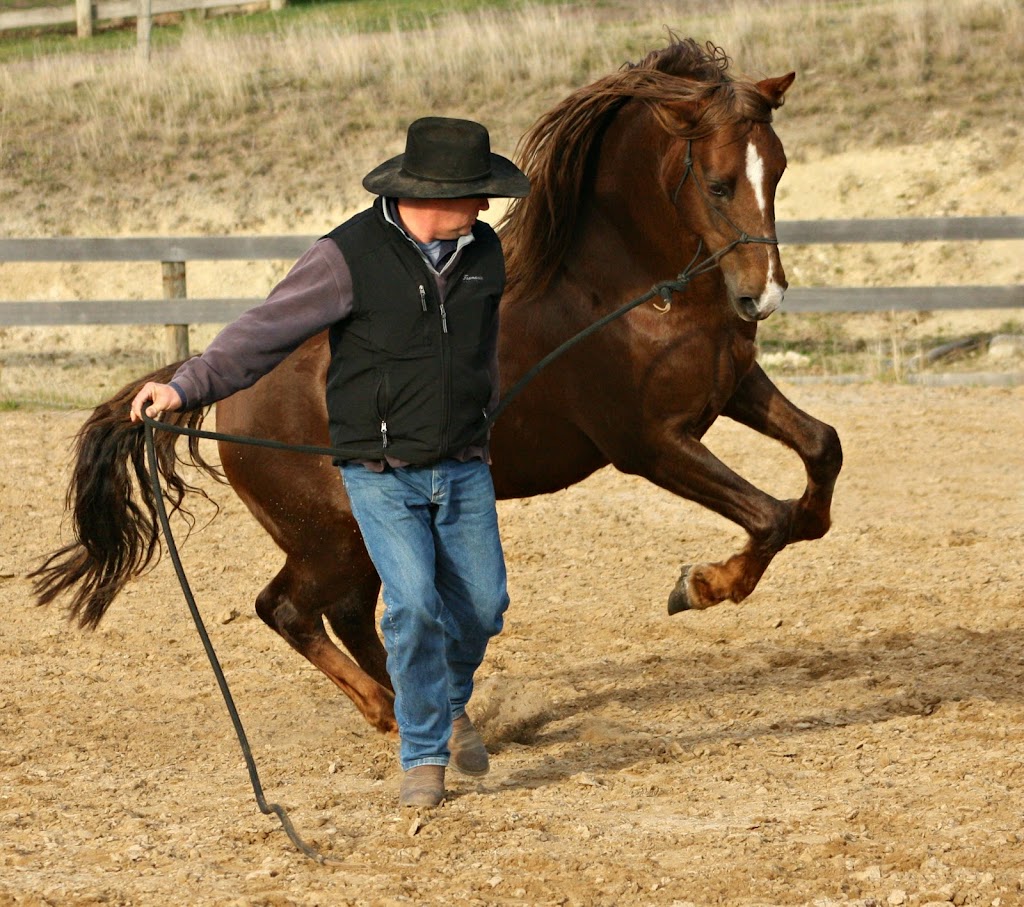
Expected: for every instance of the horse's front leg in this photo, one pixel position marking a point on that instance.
(760, 405)
(683, 465)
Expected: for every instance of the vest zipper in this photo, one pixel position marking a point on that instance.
(446, 403)
(382, 409)
(444, 427)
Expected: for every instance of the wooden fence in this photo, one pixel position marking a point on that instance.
(177, 311)
(86, 13)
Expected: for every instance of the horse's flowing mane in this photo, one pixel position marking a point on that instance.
(555, 152)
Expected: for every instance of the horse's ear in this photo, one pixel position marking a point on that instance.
(775, 89)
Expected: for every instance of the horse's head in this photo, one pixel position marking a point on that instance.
(722, 172)
(671, 138)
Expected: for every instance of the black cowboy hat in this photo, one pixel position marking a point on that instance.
(447, 158)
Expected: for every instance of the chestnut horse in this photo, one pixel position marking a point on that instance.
(667, 162)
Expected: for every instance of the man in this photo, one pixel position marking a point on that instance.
(409, 292)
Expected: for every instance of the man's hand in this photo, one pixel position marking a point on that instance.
(164, 399)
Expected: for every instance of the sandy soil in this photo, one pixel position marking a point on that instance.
(852, 734)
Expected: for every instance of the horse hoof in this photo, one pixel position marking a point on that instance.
(678, 600)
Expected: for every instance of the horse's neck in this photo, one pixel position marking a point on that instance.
(630, 233)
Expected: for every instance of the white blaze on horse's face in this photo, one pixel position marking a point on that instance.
(771, 296)
(755, 174)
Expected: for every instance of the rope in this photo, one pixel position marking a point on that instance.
(254, 778)
(665, 289)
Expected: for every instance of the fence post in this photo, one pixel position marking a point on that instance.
(143, 28)
(83, 16)
(174, 288)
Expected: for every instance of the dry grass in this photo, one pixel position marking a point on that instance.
(265, 107)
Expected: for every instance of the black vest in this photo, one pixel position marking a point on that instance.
(409, 375)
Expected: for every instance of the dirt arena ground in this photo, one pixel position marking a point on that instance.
(852, 734)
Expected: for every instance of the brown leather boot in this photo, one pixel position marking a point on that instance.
(422, 785)
(468, 753)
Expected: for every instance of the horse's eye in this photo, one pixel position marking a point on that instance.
(718, 190)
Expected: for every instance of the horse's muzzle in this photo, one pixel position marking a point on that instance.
(757, 308)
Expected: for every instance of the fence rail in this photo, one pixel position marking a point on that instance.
(900, 229)
(177, 312)
(86, 13)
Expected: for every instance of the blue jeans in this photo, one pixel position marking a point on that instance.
(432, 534)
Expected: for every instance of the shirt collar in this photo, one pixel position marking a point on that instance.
(445, 249)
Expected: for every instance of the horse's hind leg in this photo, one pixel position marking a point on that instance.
(760, 405)
(294, 603)
(301, 502)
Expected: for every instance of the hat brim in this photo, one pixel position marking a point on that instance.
(505, 180)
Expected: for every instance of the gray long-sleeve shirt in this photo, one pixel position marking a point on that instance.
(316, 293)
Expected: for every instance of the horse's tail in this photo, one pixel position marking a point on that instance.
(113, 516)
